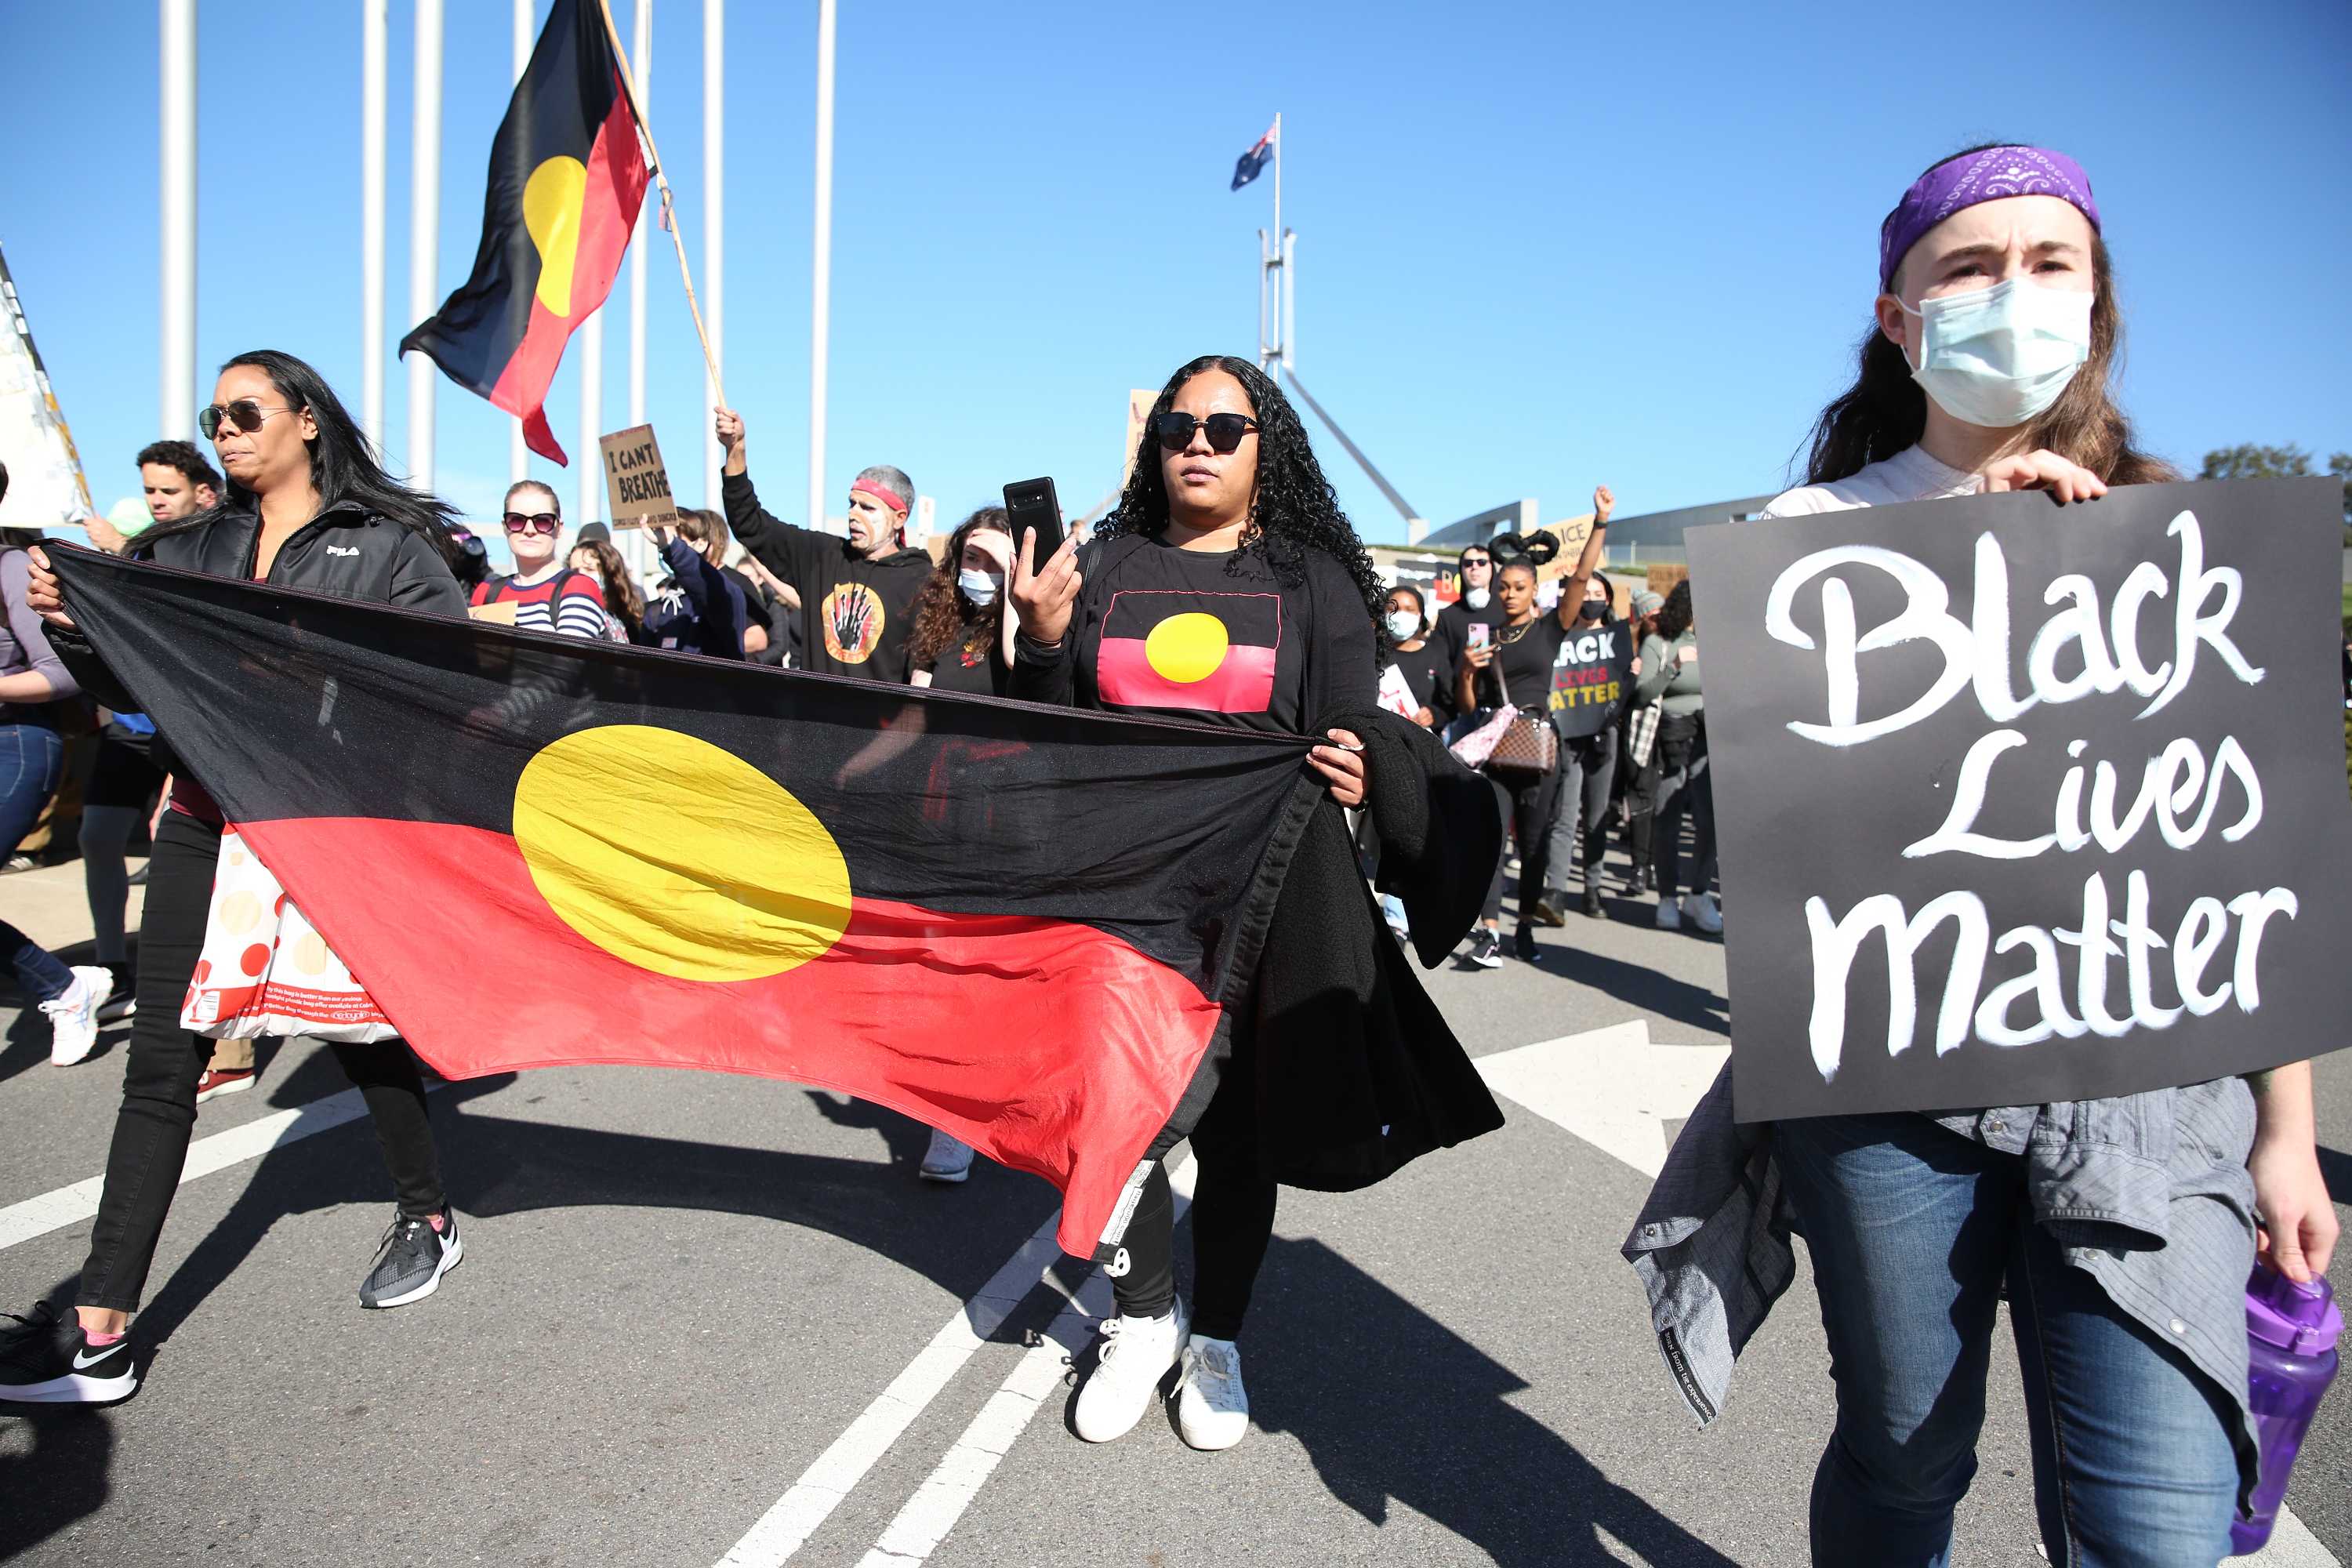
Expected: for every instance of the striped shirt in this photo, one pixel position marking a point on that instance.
(566, 604)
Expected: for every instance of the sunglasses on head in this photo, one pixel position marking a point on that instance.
(245, 414)
(1173, 431)
(545, 523)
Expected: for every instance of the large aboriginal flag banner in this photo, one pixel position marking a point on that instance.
(567, 177)
(1021, 925)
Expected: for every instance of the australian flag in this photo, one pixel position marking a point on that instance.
(1253, 163)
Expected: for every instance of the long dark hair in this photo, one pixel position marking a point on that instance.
(1884, 411)
(345, 467)
(942, 615)
(621, 596)
(1295, 511)
(1675, 614)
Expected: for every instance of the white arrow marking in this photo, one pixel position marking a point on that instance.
(1610, 1086)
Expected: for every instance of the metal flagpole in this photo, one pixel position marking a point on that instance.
(645, 75)
(519, 455)
(587, 465)
(714, 229)
(423, 236)
(1290, 294)
(373, 54)
(820, 267)
(176, 390)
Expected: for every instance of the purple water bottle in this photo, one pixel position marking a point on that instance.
(2291, 1333)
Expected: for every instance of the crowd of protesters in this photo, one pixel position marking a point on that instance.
(1227, 491)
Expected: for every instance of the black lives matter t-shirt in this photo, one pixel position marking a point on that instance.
(854, 614)
(1217, 638)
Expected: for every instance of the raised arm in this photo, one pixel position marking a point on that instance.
(771, 540)
(1571, 593)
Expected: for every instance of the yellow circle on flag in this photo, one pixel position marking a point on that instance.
(678, 857)
(1187, 648)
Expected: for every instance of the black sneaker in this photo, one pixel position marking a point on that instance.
(1547, 912)
(414, 1257)
(1523, 945)
(46, 1359)
(1487, 948)
(1592, 902)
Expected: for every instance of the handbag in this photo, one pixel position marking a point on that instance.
(1528, 748)
(264, 970)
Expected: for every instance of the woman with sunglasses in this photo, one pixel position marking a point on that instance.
(1516, 669)
(1228, 534)
(547, 595)
(1987, 368)
(308, 506)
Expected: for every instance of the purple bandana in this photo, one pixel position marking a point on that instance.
(1974, 177)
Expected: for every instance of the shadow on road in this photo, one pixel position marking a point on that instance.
(1649, 989)
(1392, 1404)
(2335, 1170)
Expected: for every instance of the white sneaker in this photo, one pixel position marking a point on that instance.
(1211, 1405)
(947, 1159)
(73, 1018)
(1669, 916)
(1699, 908)
(1136, 1355)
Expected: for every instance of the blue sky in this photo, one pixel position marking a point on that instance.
(1539, 245)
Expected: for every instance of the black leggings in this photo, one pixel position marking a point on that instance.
(1232, 1217)
(1526, 812)
(164, 1061)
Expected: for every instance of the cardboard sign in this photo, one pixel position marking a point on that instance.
(2020, 803)
(636, 485)
(1590, 680)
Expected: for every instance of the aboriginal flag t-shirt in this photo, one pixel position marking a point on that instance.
(1217, 638)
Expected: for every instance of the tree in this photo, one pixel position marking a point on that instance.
(2340, 464)
(2255, 463)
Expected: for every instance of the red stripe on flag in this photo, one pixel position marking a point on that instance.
(1052, 1046)
(1242, 683)
(608, 213)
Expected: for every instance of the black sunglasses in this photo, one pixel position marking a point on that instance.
(544, 523)
(1173, 431)
(245, 414)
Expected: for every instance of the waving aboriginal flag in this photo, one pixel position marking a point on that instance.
(567, 177)
(1021, 925)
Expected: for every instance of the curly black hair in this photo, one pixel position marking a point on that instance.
(1294, 510)
(1675, 615)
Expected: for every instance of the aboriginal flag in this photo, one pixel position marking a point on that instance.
(1175, 649)
(1025, 926)
(567, 177)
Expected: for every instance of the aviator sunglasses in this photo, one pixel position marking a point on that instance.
(245, 414)
(541, 522)
(1174, 431)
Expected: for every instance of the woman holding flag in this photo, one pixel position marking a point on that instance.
(309, 507)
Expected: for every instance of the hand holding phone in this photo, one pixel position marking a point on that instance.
(1030, 505)
(1481, 634)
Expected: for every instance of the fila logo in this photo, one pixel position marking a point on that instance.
(340, 550)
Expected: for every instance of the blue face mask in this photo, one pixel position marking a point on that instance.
(979, 587)
(1997, 357)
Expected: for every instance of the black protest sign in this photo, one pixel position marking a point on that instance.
(1589, 678)
(2022, 802)
(636, 484)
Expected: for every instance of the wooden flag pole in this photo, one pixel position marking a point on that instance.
(661, 183)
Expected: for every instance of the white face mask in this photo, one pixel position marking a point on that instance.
(979, 587)
(1997, 357)
(1477, 598)
(1403, 625)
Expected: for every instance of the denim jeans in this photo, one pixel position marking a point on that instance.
(32, 758)
(1913, 1230)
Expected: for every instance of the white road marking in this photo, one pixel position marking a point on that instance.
(1610, 1086)
(1615, 1090)
(70, 1205)
(941, 1501)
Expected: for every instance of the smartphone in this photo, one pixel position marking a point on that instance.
(1030, 504)
(1481, 634)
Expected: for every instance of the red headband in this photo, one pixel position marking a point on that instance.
(881, 493)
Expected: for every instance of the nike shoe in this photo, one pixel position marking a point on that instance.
(1487, 948)
(1211, 1405)
(46, 1359)
(947, 1159)
(73, 1018)
(216, 1081)
(1700, 909)
(415, 1254)
(1136, 1356)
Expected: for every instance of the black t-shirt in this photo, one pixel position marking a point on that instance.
(979, 671)
(854, 614)
(1453, 621)
(1429, 675)
(1177, 634)
(1525, 656)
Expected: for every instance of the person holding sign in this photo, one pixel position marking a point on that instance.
(1516, 668)
(2124, 1228)
(1590, 684)
(857, 595)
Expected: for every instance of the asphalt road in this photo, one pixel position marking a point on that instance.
(699, 1309)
